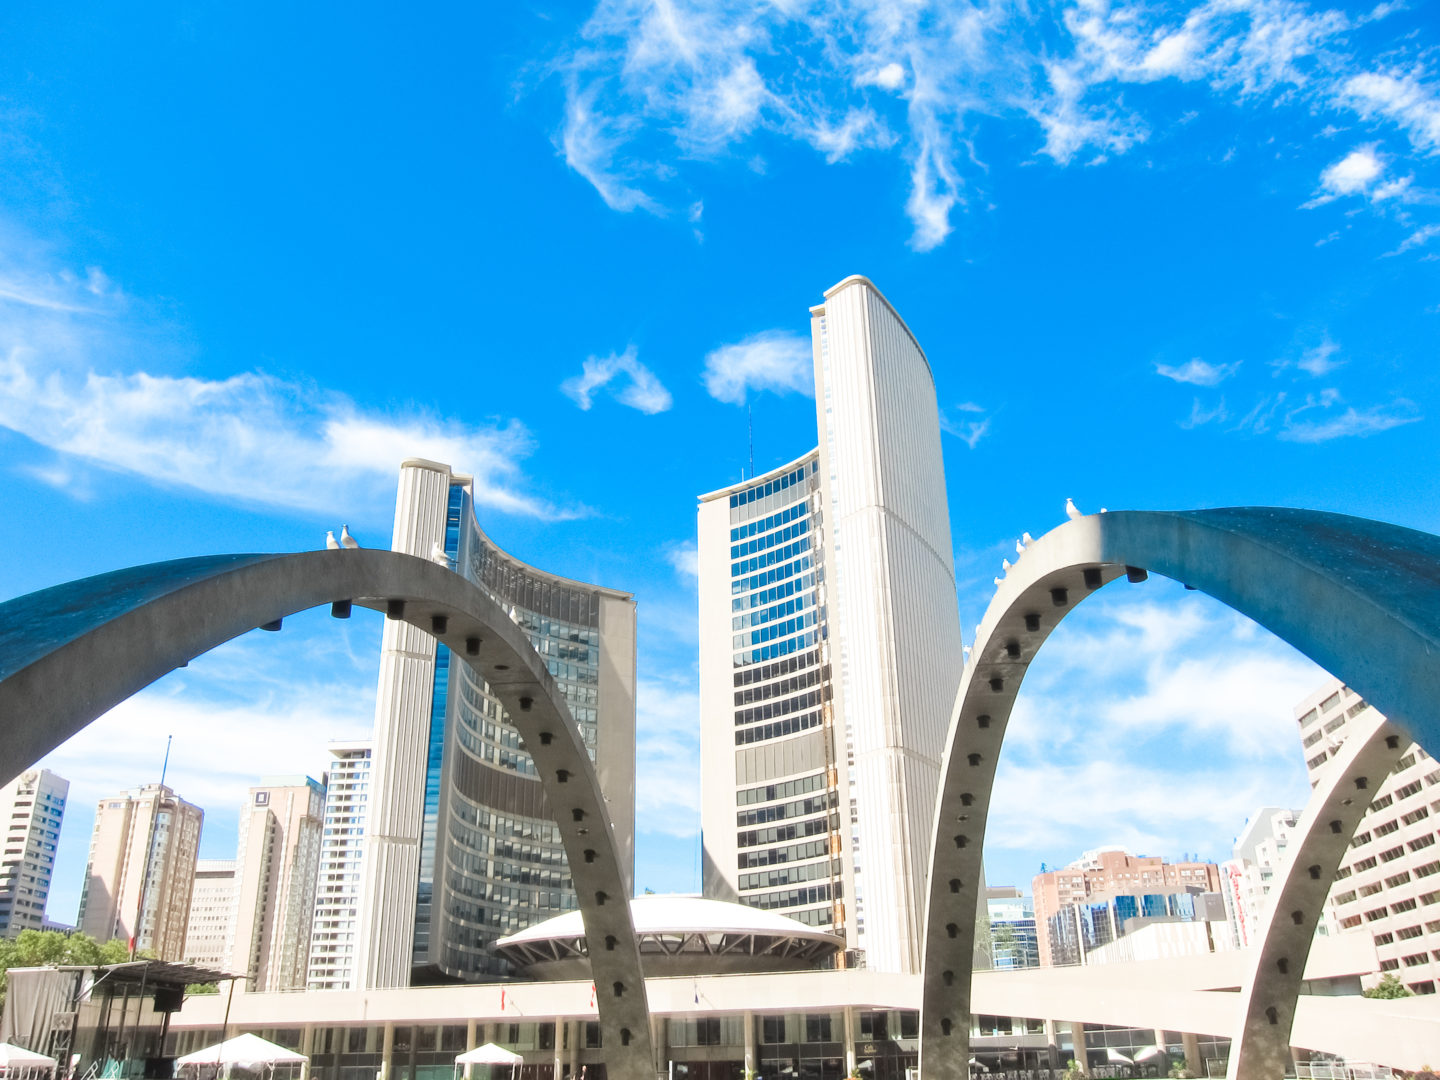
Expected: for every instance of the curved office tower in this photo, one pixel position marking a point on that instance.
(830, 649)
(462, 848)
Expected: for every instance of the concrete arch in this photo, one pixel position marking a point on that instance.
(1359, 597)
(69, 653)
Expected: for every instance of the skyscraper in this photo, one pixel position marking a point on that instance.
(276, 862)
(334, 935)
(145, 843)
(32, 807)
(1388, 884)
(462, 847)
(210, 931)
(830, 648)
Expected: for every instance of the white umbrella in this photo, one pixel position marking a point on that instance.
(1150, 1052)
(1115, 1057)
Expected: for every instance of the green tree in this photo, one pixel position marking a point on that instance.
(201, 988)
(1389, 987)
(51, 948)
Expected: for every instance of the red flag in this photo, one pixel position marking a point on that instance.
(502, 999)
(592, 995)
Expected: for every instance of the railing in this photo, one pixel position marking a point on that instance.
(1341, 1070)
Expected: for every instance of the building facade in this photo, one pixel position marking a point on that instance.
(830, 649)
(1082, 932)
(1248, 875)
(1013, 940)
(462, 846)
(276, 863)
(334, 935)
(1388, 885)
(32, 807)
(1107, 872)
(210, 930)
(141, 870)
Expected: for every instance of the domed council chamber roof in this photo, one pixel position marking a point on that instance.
(679, 935)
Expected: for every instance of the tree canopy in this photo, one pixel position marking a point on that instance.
(1388, 987)
(41, 948)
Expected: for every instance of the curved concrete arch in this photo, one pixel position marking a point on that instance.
(1356, 596)
(69, 653)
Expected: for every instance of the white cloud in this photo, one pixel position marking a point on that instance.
(1200, 415)
(1402, 98)
(774, 360)
(251, 437)
(889, 77)
(639, 388)
(1144, 692)
(667, 758)
(1418, 238)
(684, 558)
(969, 431)
(653, 86)
(1351, 175)
(1198, 372)
(1325, 416)
(1320, 360)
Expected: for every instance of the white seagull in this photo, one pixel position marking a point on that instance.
(1071, 510)
(1026, 539)
(999, 582)
(1007, 564)
(346, 540)
(330, 541)
(437, 555)
(1019, 547)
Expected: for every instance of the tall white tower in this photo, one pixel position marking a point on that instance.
(830, 648)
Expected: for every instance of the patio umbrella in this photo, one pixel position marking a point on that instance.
(1115, 1057)
(490, 1054)
(1150, 1052)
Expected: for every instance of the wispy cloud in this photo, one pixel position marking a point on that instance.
(652, 86)
(684, 558)
(1317, 362)
(1198, 372)
(637, 385)
(667, 758)
(969, 427)
(65, 384)
(1325, 416)
(775, 360)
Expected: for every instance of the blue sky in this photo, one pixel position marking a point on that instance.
(1159, 256)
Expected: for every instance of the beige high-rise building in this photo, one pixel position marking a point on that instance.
(1388, 884)
(276, 863)
(145, 841)
(212, 914)
(31, 809)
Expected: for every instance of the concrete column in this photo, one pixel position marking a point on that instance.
(1191, 1042)
(749, 1045)
(661, 1044)
(1077, 1043)
(577, 1036)
(470, 1043)
(559, 1052)
(849, 1040)
(387, 1051)
(1052, 1043)
(307, 1035)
